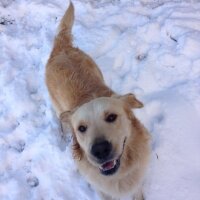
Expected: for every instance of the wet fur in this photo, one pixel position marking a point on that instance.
(74, 79)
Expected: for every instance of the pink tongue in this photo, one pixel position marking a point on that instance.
(108, 165)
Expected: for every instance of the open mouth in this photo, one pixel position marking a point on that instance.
(110, 167)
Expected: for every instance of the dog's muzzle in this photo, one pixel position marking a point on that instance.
(102, 151)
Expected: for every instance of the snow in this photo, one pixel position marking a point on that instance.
(150, 48)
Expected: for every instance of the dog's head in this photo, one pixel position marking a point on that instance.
(101, 127)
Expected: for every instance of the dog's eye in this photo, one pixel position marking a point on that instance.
(111, 118)
(82, 128)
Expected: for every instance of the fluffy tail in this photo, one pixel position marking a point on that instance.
(68, 19)
(64, 38)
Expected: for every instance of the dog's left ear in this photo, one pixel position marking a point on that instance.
(65, 116)
(131, 101)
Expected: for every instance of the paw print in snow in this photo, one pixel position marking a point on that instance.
(33, 181)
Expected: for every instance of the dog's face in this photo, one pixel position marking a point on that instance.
(101, 128)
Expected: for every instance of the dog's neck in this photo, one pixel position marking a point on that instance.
(99, 91)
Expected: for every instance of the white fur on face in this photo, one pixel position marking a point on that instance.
(92, 115)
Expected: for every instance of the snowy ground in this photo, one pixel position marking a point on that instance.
(150, 48)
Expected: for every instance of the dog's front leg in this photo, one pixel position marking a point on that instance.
(139, 195)
(104, 196)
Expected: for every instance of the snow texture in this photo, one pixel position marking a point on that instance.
(150, 48)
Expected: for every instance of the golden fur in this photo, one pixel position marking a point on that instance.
(80, 96)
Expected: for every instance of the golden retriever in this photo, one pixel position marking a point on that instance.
(110, 145)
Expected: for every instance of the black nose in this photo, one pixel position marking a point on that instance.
(101, 149)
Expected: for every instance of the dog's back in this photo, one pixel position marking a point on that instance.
(71, 70)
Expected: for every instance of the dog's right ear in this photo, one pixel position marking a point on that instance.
(65, 116)
(130, 100)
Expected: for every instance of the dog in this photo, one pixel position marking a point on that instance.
(110, 146)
